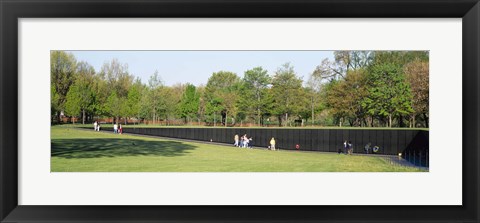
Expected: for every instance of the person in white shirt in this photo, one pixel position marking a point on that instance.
(95, 126)
(115, 128)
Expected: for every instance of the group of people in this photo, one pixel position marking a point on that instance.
(347, 148)
(244, 142)
(117, 129)
(96, 126)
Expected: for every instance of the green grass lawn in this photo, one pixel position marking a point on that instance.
(75, 150)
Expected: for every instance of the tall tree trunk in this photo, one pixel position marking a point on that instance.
(400, 121)
(286, 119)
(279, 117)
(83, 116)
(226, 118)
(313, 112)
(390, 120)
(259, 118)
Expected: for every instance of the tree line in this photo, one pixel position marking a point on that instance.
(356, 88)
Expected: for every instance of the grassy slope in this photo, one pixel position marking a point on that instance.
(87, 151)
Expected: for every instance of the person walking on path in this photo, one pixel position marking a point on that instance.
(120, 130)
(95, 124)
(272, 144)
(115, 128)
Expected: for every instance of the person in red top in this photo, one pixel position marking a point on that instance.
(120, 130)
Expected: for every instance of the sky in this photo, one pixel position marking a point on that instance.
(196, 67)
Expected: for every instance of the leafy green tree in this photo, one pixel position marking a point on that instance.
(255, 83)
(171, 98)
(417, 74)
(72, 104)
(311, 98)
(315, 84)
(101, 92)
(241, 117)
(189, 103)
(118, 80)
(344, 62)
(134, 99)
(124, 109)
(400, 58)
(79, 99)
(62, 72)
(214, 107)
(352, 60)
(202, 103)
(153, 102)
(389, 94)
(344, 97)
(287, 93)
(221, 94)
(115, 105)
(54, 107)
(85, 75)
(117, 77)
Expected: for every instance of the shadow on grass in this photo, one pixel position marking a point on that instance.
(97, 148)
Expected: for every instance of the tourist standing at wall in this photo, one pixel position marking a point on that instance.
(350, 148)
(345, 147)
(272, 144)
(235, 138)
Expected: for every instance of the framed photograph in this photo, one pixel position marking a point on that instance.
(225, 111)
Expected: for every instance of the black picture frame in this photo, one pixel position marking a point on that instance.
(11, 11)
